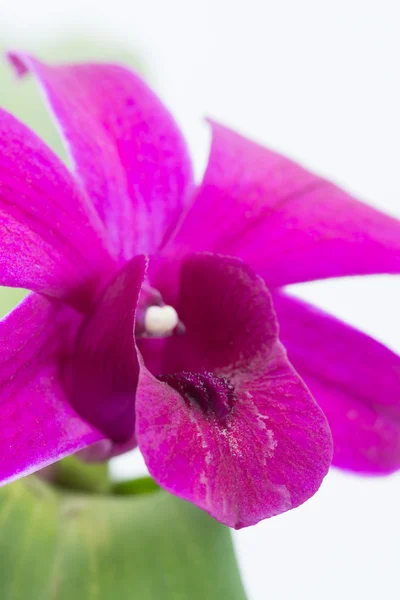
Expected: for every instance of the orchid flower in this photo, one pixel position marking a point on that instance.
(154, 306)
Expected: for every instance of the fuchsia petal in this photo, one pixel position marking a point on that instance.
(287, 223)
(103, 374)
(355, 380)
(127, 148)
(51, 238)
(38, 426)
(231, 427)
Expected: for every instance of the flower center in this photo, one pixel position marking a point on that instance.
(160, 321)
(214, 395)
(155, 319)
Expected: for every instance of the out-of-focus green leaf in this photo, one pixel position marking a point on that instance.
(79, 476)
(133, 487)
(96, 547)
(9, 297)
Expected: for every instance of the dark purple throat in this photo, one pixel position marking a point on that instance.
(214, 395)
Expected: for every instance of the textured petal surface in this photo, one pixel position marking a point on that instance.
(128, 150)
(287, 223)
(51, 238)
(103, 373)
(355, 380)
(232, 427)
(38, 426)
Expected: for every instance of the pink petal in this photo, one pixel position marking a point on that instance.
(51, 239)
(231, 427)
(287, 223)
(127, 148)
(38, 425)
(103, 372)
(355, 380)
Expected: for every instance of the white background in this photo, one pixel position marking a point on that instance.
(319, 81)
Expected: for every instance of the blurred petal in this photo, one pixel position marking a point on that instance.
(230, 426)
(127, 149)
(287, 223)
(38, 425)
(355, 380)
(103, 373)
(51, 238)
